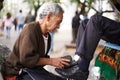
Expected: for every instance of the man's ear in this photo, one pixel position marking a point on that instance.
(48, 17)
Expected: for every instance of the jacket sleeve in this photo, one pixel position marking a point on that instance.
(28, 50)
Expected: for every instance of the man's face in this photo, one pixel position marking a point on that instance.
(54, 21)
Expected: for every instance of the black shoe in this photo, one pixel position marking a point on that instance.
(73, 73)
(67, 57)
(72, 62)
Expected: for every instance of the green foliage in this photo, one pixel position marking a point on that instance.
(78, 1)
(85, 5)
(35, 4)
(56, 1)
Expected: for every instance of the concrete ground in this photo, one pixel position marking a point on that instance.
(62, 45)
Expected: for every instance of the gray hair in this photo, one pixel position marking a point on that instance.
(48, 8)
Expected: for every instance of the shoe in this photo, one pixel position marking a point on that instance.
(67, 57)
(72, 62)
(73, 73)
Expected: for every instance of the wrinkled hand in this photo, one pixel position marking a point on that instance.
(60, 62)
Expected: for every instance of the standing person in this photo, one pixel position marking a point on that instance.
(8, 22)
(30, 52)
(15, 23)
(98, 27)
(20, 20)
(75, 26)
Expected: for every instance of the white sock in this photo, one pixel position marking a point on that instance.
(76, 57)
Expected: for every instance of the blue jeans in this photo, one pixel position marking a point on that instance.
(20, 27)
(8, 31)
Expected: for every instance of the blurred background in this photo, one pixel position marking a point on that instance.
(63, 39)
(85, 9)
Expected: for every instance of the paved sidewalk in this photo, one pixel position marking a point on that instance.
(8, 41)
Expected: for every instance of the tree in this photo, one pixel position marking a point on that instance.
(35, 4)
(86, 5)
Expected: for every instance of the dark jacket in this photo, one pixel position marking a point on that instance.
(28, 49)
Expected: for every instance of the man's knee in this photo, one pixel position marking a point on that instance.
(96, 18)
(97, 21)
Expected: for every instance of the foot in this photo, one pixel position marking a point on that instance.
(73, 73)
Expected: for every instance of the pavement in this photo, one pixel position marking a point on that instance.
(62, 45)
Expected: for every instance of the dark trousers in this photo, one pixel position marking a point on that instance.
(98, 27)
(38, 74)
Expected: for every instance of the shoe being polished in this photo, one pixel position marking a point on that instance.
(72, 62)
(73, 73)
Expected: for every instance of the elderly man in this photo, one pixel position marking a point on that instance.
(98, 27)
(29, 54)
